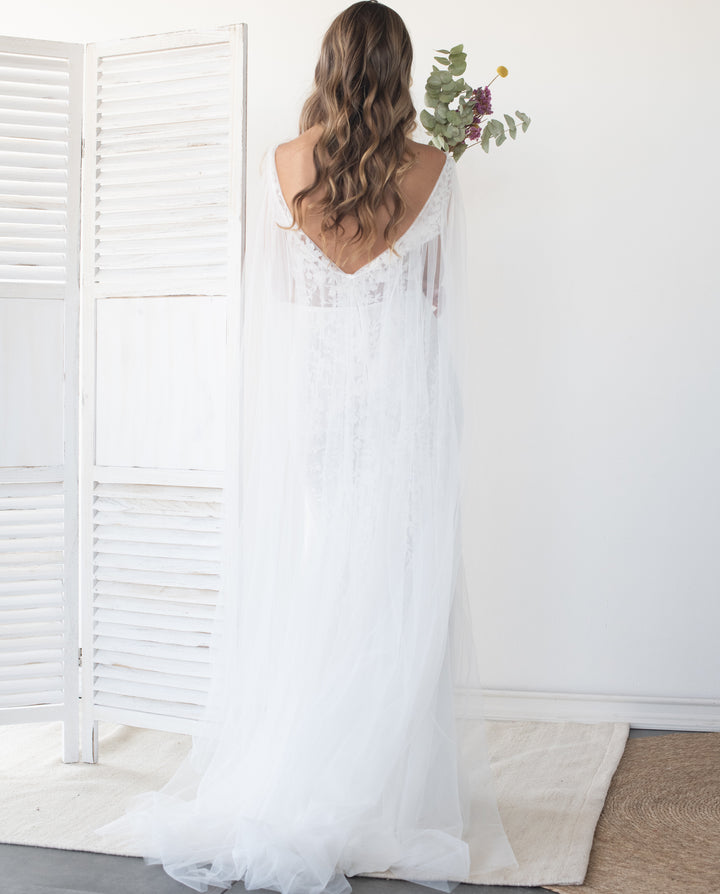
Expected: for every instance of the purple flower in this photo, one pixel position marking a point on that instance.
(473, 132)
(483, 101)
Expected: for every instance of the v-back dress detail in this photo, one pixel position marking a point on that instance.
(424, 225)
(329, 744)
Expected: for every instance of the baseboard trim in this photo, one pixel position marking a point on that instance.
(642, 712)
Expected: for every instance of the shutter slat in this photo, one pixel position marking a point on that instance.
(107, 658)
(33, 615)
(30, 600)
(158, 578)
(155, 606)
(28, 669)
(151, 706)
(177, 594)
(27, 660)
(32, 699)
(105, 618)
(30, 148)
(148, 689)
(59, 92)
(30, 630)
(30, 529)
(156, 563)
(28, 643)
(202, 219)
(144, 72)
(154, 111)
(30, 588)
(154, 535)
(171, 680)
(32, 685)
(119, 95)
(168, 650)
(191, 551)
(142, 519)
(43, 64)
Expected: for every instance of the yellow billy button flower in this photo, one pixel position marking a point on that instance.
(502, 71)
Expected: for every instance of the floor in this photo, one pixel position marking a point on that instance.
(39, 870)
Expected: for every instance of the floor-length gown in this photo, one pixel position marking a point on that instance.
(329, 746)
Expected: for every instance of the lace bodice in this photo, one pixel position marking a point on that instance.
(319, 281)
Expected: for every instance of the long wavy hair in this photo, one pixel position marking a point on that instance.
(361, 98)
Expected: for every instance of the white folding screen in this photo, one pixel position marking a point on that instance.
(40, 124)
(163, 191)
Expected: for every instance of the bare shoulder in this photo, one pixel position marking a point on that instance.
(294, 162)
(420, 180)
(297, 153)
(428, 157)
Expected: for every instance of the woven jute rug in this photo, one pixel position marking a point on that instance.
(659, 830)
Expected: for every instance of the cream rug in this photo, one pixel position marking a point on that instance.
(551, 781)
(659, 831)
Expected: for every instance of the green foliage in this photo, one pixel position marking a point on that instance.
(451, 110)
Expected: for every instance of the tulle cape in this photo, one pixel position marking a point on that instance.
(329, 744)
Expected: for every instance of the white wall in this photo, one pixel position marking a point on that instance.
(593, 522)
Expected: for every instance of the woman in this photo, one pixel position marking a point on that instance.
(330, 747)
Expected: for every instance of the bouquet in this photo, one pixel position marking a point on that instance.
(467, 124)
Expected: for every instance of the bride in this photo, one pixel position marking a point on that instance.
(329, 745)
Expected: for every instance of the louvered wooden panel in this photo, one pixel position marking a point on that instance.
(164, 189)
(40, 155)
(34, 161)
(156, 558)
(31, 594)
(162, 171)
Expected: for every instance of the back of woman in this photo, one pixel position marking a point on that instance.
(330, 746)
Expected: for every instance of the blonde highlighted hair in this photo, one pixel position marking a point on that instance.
(361, 99)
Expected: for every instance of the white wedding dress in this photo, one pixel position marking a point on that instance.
(329, 746)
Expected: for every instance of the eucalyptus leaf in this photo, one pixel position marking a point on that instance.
(457, 68)
(512, 129)
(447, 52)
(458, 150)
(485, 138)
(457, 49)
(525, 120)
(500, 139)
(441, 59)
(427, 120)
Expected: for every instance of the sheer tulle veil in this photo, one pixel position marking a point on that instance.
(330, 742)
